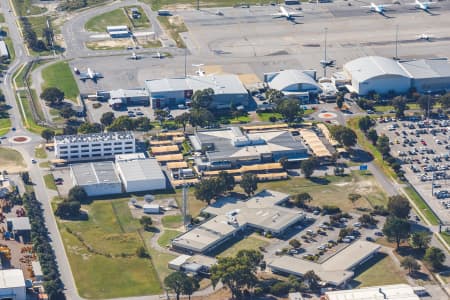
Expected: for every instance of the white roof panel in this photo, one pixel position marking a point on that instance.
(368, 67)
(11, 278)
(289, 77)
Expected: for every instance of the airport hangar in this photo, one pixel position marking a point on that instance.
(384, 75)
(230, 147)
(171, 92)
(262, 212)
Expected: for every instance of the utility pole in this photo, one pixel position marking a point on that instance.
(198, 4)
(396, 42)
(185, 62)
(185, 206)
(325, 54)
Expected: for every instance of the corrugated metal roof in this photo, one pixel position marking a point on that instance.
(142, 169)
(368, 67)
(289, 77)
(167, 84)
(426, 68)
(121, 93)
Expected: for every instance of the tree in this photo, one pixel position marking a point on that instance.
(47, 134)
(142, 124)
(69, 130)
(311, 279)
(141, 252)
(444, 100)
(68, 209)
(340, 102)
(399, 104)
(289, 109)
(300, 200)
(90, 128)
(237, 272)
(122, 123)
(202, 98)
(274, 96)
(426, 103)
(183, 120)
(420, 240)
(207, 189)
(147, 222)
(383, 145)
(354, 197)
(201, 117)
(67, 112)
(410, 264)
(367, 220)
(307, 166)
(52, 95)
(228, 180)
(25, 177)
(396, 229)
(107, 118)
(161, 114)
(398, 206)
(344, 135)
(372, 135)
(435, 257)
(365, 123)
(190, 287)
(294, 243)
(77, 193)
(249, 183)
(177, 282)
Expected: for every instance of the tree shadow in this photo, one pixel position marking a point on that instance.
(82, 216)
(420, 276)
(359, 155)
(319, 180)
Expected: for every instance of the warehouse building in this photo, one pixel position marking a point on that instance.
(140, 174)
(4, 50)
(376, 73)
(298, 83)
(385, 292)
(93, 145)
(119, 99)
(262, 212)
(120, 31)
(230, 147)
(383, 75)
(335, 271)
(97, 179)
(171, 92)
(12, 284)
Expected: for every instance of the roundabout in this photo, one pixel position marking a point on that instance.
(20, 139)
(327, 115)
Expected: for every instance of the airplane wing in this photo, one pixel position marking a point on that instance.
(385, 5)
(293, 14)
(98, 75)
(84, 75)
(278, 15)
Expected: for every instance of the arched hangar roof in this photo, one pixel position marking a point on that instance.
(368, 67)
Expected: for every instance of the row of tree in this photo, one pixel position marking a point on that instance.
(41, 245)
(31, 38)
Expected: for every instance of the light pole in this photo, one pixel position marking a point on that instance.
(396, 42)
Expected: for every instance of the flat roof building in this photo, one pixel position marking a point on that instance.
(230, 146)
(4, 49)
(126, 97)
(12, 284)
(386, 292)
(170, 92)
(428, 75)
(143, 174)
(97, 179)
(261, 212)
(94, 145)
(336, 270)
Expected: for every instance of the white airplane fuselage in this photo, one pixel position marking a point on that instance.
(377, 8)
(422, 6)
(90, 73)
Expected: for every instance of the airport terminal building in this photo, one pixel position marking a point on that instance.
(170, 92)
(383, 75)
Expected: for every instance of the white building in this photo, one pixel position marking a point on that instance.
(4, 49)
(428, 75)
(12, 284)
(386, 292)
(94, 145)
(120, 31)
(97, 178)
(119, 98)
(140, 173)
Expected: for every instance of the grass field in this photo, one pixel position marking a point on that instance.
(111, 18)
(252, 242)
(194, 205)
(113, 237)
(5, 126)
(335, 192)
(50, 182)
(44, 165)
(11, 161)
(25, 8)
(172, 221)
(39, 152)
(160, 260)
(446, 237)
(60, 76)
(2, 18)
(173, 29)
(11, 50)
(141, 23)
(26, 114)
(422, 205)
(380, 270)
(265, 117)
(158, 4)
(167, 236)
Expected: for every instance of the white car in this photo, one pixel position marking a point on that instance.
(33, 161)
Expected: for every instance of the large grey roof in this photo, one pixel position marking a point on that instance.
(121, 93)
(221, 84)
(286, 78)
(426, 68)
(368, 67)
(94, 173)
(140, 169)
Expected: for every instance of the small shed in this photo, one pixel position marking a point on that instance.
(152, 208)
(37, 271)
(19, 227)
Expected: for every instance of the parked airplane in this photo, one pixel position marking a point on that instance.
(425, 6)
(158, 55)
(425, 36)
(378, 8)
(135, 56)
(289, 15)
(199, 71)
(88, 75)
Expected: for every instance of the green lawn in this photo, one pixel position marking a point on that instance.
(446, 237)
(194, 205)
(158, 4)
(422, 205)
(44, 165)
(172, 221)
(39, 152)
(167, 236)
(2, 18)
(50, 182)
(26, 114)
(160, 260)
(10, 156)
(25, 8)
(380, 270)
(5, 126)
(251, 242)
(113, 237)
(112, 18)
(140, 23)
(59, 75)
(265, 116)
(11, 50)
(238, 120)
(19, 76)
(173, 30)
